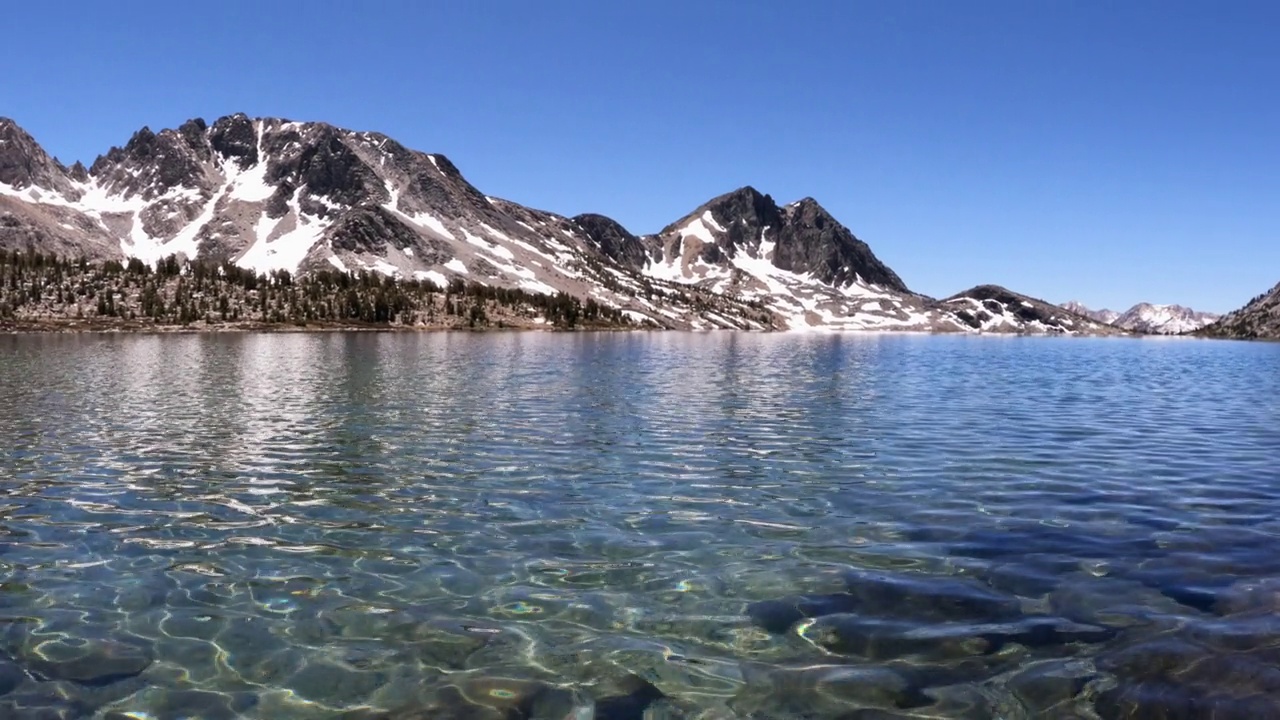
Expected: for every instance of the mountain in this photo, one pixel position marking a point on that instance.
(1163, 319)
(1259, 318)
(1148, 319)
(1102, 316)
(991, 308)
(797, 259)
(270, 194)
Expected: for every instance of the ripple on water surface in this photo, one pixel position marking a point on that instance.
(626, 526)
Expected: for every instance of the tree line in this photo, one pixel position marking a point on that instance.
(37, 287)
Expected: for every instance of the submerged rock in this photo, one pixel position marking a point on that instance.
(87, 662)
(881, 639)
(887, 639)
(636, 695)
(164, 703)
(825, 690)
(517, 699)
(777, 616)
(11, 676)
(1044, 685)
(924, 597)
(1169, 677)
(890, 595)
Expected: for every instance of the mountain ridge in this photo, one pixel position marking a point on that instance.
(1148, 318)
(1257, 319)
(273, 194)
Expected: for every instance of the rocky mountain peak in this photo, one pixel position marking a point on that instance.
(152, 164)
(1103, 316)
(813, 241)
(612, 239)
(234, 138)
(745, 208)
(24, 164)
(1162, 319)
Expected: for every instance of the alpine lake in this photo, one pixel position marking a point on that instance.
(539, 526)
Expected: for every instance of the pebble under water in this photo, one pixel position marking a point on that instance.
(625, 526)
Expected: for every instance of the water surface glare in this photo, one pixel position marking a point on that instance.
(616, 526)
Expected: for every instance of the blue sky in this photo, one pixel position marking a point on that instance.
(1112, 152)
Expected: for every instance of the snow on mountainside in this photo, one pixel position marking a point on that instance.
(1102, 316)
(1163, 319)
(1259, 318)
(798, 259)
(271, 194)
(1147, 318)
(994, 309)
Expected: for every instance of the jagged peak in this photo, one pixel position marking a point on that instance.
(140, 137)
(807, 207)
(745, 203)
(23, 162)
(10, 129)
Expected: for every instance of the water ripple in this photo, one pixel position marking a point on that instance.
(617, 526)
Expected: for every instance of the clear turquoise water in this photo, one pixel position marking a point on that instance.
(637, 526)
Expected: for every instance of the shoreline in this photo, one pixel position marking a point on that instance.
(80, 327)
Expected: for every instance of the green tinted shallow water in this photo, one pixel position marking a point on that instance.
(637, 526)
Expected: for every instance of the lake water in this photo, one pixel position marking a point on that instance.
(638, 525)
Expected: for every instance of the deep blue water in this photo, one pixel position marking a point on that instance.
(638, 525)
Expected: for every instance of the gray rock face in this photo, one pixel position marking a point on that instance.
(614, 241)
(233, 138)
(813, 242)
(1259, 319)
(24, 164)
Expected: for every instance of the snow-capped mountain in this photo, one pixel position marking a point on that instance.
(797, 259)
(1148, 319)
(1259, 318)
(1102, 316)
(1162, 319)
(272, 194)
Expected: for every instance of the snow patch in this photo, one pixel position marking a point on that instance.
(286, 251)
(250, 186)
(491, 248)
(434, 276)
(422, 219)
(695, 228)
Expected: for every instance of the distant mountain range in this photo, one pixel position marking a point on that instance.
(272, 194)
(1148, 319)
(1102, 316)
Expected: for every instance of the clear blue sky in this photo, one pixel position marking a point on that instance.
(1111, 151)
